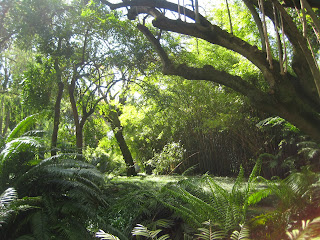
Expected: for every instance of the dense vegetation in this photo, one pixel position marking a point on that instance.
(149, 119)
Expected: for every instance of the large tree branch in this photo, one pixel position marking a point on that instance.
(215, 35)
(157, 4)
(308, 74)
(207, 72)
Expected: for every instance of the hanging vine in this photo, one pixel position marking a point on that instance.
(229, 14)
(265, 32)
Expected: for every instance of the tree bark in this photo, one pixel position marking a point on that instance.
(117, 129)
(56, 121)
(79, 121)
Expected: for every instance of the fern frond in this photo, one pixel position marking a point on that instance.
(258, 196)
(206, 234)
(40, 226)
(106, 236)
(8, 196)
(209, 233)
(21, 128)
(163, 237)
(19, 145)
(244, 234)
(141, 230)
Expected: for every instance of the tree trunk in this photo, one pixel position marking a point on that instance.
(85, 115)
(113, 118)
(7, 122)
(56, 121)
(79, 135)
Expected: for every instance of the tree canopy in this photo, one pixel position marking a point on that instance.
(292, 78)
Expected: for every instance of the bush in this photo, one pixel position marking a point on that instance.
(168, 159)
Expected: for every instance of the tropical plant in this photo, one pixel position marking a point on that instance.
(141, 230)
(6, 198)
(63, 194)
(243, 234)
(208, 232)
(296, 233)
(294, 192)
(294, 199)
(106, 236)
(225, 209)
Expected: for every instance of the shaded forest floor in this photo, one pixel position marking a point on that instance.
(133, 200)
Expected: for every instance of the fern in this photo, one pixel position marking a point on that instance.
(21, 128)
(296, 233)
(209, 233)
(223, 208)
(64, 193)
(6, 199)
(294, 191)
(243, 234)
(106, 236)
(141, 230)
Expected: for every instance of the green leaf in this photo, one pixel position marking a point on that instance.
(106, 236)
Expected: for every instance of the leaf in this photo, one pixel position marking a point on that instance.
(244, 234)
(106, 236)
(258, 196)
(8, 196)
(21, 128)
(141, 230)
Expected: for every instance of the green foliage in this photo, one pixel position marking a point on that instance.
(141, 230)
(209, 233)
(6, 199)
(294, 200)
(21, 128)
(167, 160)
(295, 191)
(38, 85)
(106, 236)
(243, 234)
(296, 233)
(61, 195)
(226, 210)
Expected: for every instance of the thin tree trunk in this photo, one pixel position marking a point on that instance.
(56, 121)
(7, 122)
(75, 115)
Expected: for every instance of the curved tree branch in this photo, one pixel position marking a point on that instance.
(207, 72)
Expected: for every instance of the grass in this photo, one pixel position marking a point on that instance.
(159, 181)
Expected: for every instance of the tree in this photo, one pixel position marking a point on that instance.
(111, 112)
(292, 94)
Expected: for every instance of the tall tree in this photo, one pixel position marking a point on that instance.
(293, 95)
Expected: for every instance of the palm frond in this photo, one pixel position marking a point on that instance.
(21, 128)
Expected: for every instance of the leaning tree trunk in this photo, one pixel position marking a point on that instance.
(114, 120)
